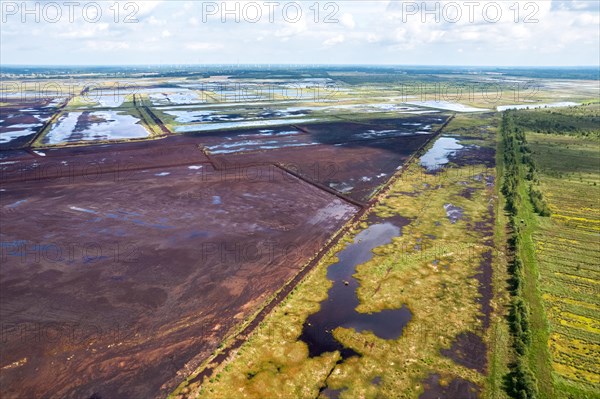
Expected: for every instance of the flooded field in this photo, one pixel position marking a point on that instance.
(239, 125)
(73, 127)
(438, 155)
(446, 105)
(108, 98)
(231, 115)
(21, 120)
(171, 96)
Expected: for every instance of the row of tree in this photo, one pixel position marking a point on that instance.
(518, 162)
(518, 168)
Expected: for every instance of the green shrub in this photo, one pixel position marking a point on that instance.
(521, 383)
(539, 204)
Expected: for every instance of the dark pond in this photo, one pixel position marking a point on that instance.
(339, 310)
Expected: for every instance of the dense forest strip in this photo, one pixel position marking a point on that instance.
(530, 376)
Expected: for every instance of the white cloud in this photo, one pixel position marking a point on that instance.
(106, 46)
(332, 41)
(145, 7)
(155, 21)
(373, 38)
(291, 29)
(85, 31)
(347, 20)
(203, 46)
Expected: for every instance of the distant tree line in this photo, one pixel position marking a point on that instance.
(578, 121)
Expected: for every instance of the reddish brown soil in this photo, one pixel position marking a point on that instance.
(339, 156)
(110, 287)
(363, 167)
(85, 164)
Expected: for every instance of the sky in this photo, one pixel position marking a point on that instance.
(483, 33)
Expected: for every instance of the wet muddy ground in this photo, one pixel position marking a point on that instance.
(352, 169)
(125, 265)
(468, 349)
(110, 288)
(87, 163)
(337, 155)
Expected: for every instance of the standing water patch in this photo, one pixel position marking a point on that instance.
(339, 309)
(438, 154)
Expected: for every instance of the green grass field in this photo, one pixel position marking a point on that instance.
(556, 240)
(567, 249)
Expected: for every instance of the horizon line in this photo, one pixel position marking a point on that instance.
(298, 65)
